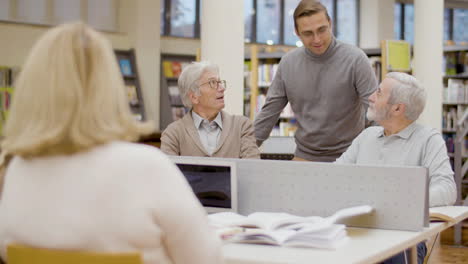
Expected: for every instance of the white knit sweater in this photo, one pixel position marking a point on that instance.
(119, 197)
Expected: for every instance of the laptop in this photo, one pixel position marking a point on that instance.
(278, 148)
(214, 182)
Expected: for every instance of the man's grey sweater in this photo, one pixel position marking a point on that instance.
(328, 94)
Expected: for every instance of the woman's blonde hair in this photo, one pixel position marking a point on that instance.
(69, 97)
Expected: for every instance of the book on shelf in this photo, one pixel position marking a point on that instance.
(5, 98)
(287, 229)
(4, 76)
(178, 112)
(172, 69)
(125, 67)
(8, 75)
(174, 96)
(261, 98)
(457, 91)
(287, 111)
(137, 116)
(132, 95)
(376, 63)
(266, 73)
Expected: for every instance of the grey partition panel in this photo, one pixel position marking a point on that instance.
(398, 194)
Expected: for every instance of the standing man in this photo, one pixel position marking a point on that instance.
(327, 83)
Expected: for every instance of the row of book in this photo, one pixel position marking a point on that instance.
(132, 95)
(456, 91)
(172, 69)
(266, 73)
(174, 96)
(285, 128)
(5, 98)
(178, 112)
(450, 117)
(286, 113)
(376, 64)
(450, 143)
(7, 78)
(8, 75)
(455, 62)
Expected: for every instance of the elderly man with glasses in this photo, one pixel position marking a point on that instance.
(206, 130)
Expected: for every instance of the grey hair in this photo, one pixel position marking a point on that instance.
(410, 92)
(188, 80)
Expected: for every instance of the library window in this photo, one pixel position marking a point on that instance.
(409, 23)
(4, 9)
(460, 23)
(66, 11)
(249, 12)
(265, 21)
(347, 21)
(447, 19)
(397, 14)
(163, 14)
(455, 22)
(183, 18)
(32, 11)
(330, 5)
(268, 24)
(290, 37)
(101, 15)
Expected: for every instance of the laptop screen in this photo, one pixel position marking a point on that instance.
(213, 182)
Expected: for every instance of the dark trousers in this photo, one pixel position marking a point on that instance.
(400, 257)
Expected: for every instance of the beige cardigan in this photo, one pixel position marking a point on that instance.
(237, 139)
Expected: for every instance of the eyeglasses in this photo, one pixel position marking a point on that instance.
(214, 84)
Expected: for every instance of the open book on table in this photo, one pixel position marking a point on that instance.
(452, 214)
(273, 221)
(287, 229)
(329, 238)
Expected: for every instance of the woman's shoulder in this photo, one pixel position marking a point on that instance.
(128, 151)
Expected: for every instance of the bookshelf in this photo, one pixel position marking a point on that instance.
(127, 63)
(7, 78)
(260, 66)
(455, 97)
(171, 104)
(375, 59)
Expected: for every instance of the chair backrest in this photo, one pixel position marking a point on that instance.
(19, 254)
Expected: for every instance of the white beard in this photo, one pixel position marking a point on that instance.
(377, 116)
(370, 114)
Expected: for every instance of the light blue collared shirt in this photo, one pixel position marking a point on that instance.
(209, 132)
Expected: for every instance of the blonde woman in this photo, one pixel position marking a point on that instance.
(74, 181)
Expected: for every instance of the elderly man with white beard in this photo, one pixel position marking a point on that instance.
(399, 140)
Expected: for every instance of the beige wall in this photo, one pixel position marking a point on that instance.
(179, 46)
